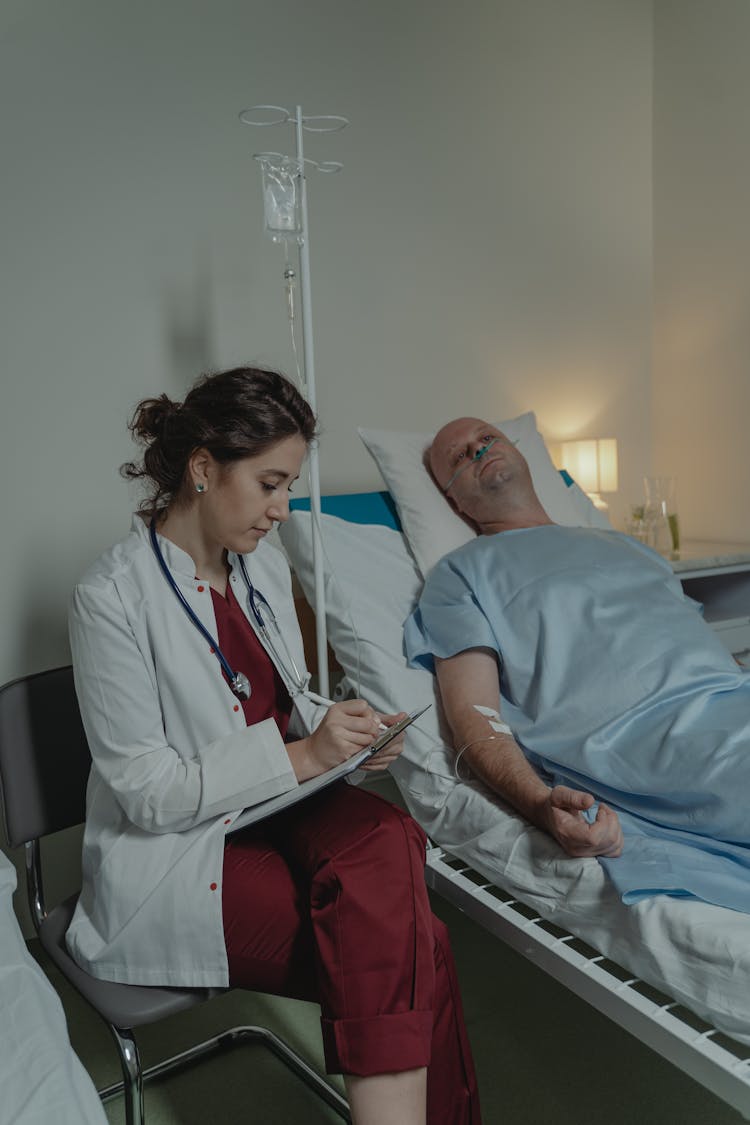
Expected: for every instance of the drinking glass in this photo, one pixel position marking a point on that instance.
(661, 515)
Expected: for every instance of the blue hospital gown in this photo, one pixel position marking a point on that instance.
(611, 682)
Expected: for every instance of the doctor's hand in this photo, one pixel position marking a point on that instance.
(385, 757)
(564, 820)
(346, 728)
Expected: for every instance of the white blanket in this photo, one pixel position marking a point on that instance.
(41, 1079)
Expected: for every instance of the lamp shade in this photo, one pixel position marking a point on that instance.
(592, 463)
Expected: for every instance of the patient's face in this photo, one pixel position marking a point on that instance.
(470, 484)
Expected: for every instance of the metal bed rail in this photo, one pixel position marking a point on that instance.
(713, 1059)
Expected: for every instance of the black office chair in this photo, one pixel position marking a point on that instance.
(44, 767)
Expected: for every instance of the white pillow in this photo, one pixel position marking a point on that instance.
(371, 587)
(430, 525)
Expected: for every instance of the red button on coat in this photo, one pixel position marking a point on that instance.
(201, 589)
(213, 886)
(236, 706)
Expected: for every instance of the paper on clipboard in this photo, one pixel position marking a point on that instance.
(305, 789)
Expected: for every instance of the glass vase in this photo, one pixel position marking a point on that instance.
(660, 515)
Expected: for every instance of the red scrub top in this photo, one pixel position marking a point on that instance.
(269, 698)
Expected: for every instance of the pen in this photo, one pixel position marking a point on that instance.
(403, 723)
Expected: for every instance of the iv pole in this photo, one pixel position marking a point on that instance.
(319, 124)
(309, 369)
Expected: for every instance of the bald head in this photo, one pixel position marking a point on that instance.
(492, 488)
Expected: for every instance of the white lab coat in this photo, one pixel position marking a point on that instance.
(173, 761)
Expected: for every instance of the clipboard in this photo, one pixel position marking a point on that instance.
(258, 812)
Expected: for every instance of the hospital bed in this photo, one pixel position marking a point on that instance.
(674, 972)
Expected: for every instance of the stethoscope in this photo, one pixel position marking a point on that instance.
(238, 681)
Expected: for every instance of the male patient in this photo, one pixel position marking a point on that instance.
(614, 688)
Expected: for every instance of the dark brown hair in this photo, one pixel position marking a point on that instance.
(233, 414)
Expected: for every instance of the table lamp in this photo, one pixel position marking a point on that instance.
(592, 463)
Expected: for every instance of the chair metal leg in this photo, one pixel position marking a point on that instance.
(134, 1077)
(297, 1065)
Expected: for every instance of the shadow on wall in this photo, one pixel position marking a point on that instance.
(44, 638)
(189, 328)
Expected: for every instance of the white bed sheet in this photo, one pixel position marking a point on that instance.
(41, 1078)
(697, 953)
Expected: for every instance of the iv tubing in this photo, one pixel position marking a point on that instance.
(309, 360)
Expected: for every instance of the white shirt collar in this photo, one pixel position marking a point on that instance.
(178, 561)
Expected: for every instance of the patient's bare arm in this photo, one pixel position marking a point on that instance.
(471, 677)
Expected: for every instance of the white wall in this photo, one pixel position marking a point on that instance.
(701, 380)
(487, 248)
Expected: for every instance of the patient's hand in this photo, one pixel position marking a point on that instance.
(573, 833)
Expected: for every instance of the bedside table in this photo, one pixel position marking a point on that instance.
(718, 576)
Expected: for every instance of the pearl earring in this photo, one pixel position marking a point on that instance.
(200, 487)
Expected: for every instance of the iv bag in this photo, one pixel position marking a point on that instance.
(281, 204)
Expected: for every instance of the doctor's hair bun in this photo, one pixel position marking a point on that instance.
(233, 414)
(151, 416)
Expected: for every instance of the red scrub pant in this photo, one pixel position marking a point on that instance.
(327, 902)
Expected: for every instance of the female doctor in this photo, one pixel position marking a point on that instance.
(186, 652)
